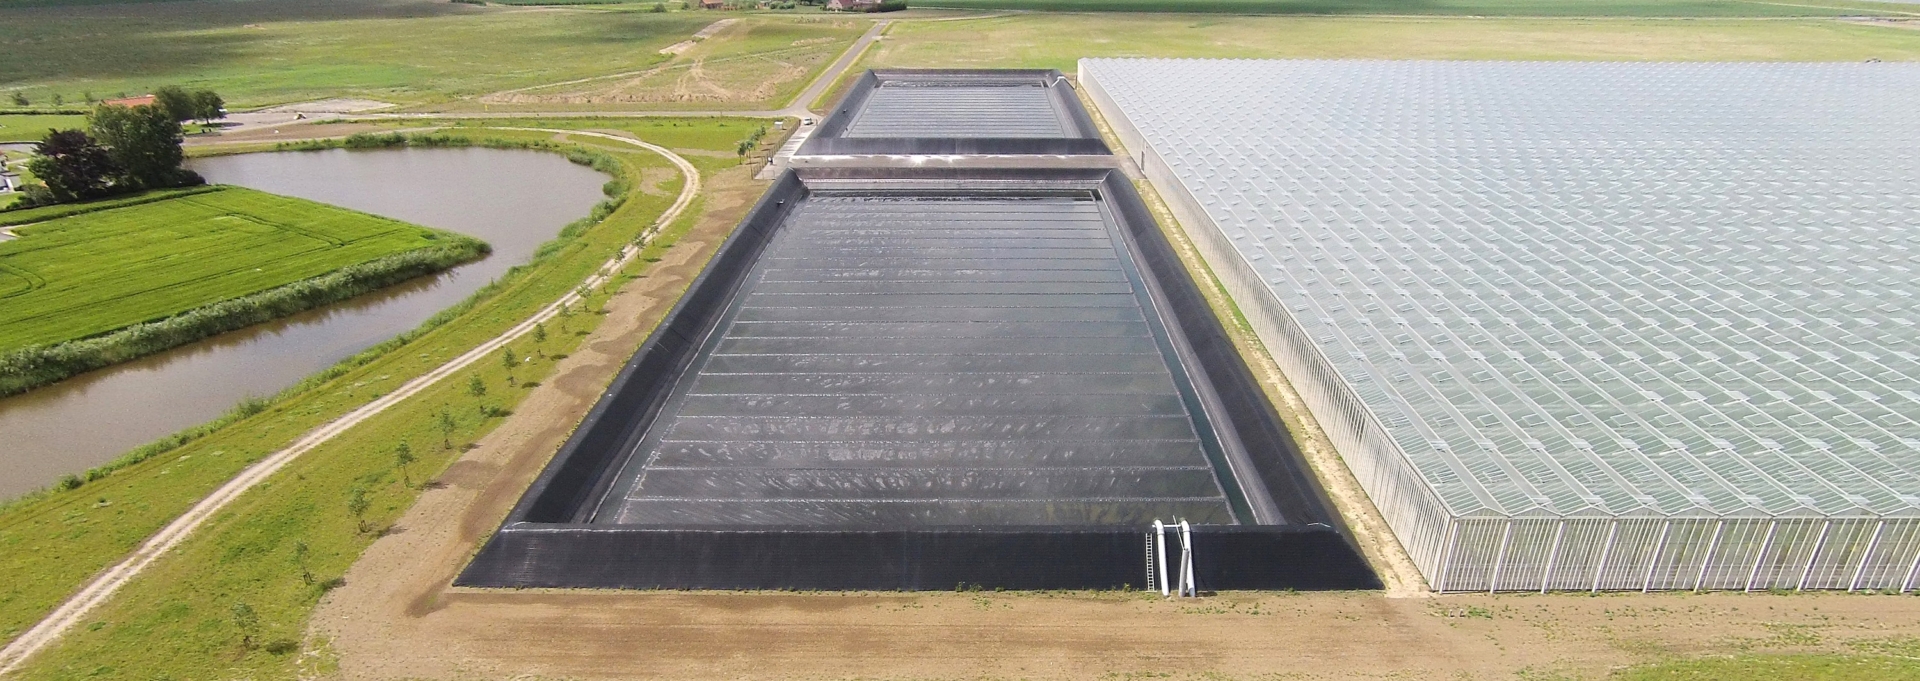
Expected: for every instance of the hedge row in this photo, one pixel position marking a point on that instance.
(35, 366)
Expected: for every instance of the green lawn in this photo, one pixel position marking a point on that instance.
(1059, 40)
(171, 622)
(1496, 8)
(257, 52)
(86, 274)
(33, 127)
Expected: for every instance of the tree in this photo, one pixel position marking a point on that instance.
(357, 504)
(447, 426)
(403, 457)
(509, 361)
(58, 100)
(176, 102)
(208, 106)
(300, 552)
(475, 386)
(73, 166)
(144, 142)
(248, 622)
(20, 99)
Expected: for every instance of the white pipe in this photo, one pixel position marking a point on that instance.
(1186, 560)
(1160, 550)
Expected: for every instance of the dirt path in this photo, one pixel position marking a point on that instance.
(407, 574)
(103, 586)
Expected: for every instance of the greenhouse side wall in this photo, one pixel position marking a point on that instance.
(1415, 514)
(1456, 553)
(1714, 554)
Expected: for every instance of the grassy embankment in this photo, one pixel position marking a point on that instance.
(92, 284)
(1494, 8)
(177, 621)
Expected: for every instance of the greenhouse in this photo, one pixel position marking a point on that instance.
(1576, 326)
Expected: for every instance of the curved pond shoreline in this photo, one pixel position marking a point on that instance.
(513, 199)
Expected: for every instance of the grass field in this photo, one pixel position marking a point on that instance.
(87, 274)
(757, 62)
(257, 52)
(1490, 8)
(171, 622)
(32, 128)
(1057, 41)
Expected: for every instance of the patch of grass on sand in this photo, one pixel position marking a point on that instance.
(87, 274)
(178, 620)
(34, 127)
(258, 52)
(1805, 667)
(1059, 40)
(1496, 8)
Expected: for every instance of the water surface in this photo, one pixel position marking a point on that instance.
(512, 199)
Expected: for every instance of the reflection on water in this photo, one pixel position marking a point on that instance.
(512, 199)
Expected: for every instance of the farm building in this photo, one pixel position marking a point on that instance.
(1576, 325)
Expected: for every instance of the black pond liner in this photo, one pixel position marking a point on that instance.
(1282, 533)
(957, 112)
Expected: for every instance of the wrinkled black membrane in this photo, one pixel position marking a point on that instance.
(958, 111)
(774, 434)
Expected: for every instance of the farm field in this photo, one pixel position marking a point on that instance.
(754, 61)
(33, 127)
(1488, 8)
(261, 52)
(1059, 41)
(82, 275)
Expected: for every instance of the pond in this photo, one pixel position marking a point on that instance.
(512, 199)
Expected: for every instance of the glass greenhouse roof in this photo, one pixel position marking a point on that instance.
(1584, 288)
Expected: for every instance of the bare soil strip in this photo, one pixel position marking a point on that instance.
(103, 586)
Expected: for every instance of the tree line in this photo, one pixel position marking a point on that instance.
(123, 149)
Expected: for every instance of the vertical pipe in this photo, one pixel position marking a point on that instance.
(1500, 559)
(1186, 561)
(1613, 532)
(1818, 544)
(1653, 560)
(1706, 561)
(1553, 555)
(1160, 551)
(1872, 543)
(1762, 555)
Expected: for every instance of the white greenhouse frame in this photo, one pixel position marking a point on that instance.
(1537, 550)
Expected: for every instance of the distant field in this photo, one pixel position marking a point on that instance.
(1520, 8)
(31, 128)
(1059, 40)
(259, 52)
(758, 61)
(82, 275)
